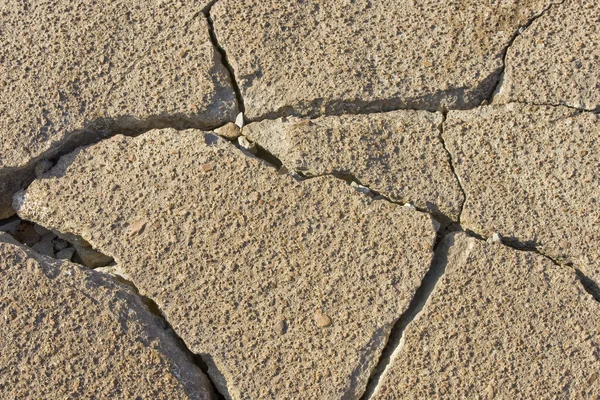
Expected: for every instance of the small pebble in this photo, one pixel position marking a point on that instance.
(322, 320)
(207, 167)
(230, 131)
(42, 167)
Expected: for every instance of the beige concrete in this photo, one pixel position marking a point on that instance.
(73, 70)
(531, 173)
(288, 289)
(557, 59)
(330, 56)
(68, 332)
(397, 154)
(500, 324)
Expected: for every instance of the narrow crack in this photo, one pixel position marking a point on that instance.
(451, 163)
(26, 233)
(423, 293)
(224, 59)
(154, 309)
(517, 33)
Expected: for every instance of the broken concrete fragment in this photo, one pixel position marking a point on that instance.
(311, 58)
(65, 254)
(82, 71)
(245, 144)
(68, 332)
(397, 154)
(226, 253)
(45, 248)
(91, 258)
(531, 175)
(229, 131)
(500, 324)
(556, 60)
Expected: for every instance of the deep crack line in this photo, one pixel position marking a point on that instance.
(422, 295)
(224, 59)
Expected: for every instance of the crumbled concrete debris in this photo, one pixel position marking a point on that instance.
(556, 60)
(230, 131)
(65, 254)
(239, 120)
(361, 189)
(60, 244)
(495, 238)
(330, 56)
(92, 258)
(81, 71)
(10, 226)
(531, 174)
(239, 247)
(44, 247)
(245, 144)
(397, 154)
(500, 323)
(68, 332)
(40, 230)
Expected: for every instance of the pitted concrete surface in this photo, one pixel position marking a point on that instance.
(500, 324)
(317, 57)
(273, 280)
(398, 154)
(68, 332)
(557, 60)
(74, 70)
(531, 175)
(315, 199)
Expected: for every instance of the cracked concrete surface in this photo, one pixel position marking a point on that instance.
(81, 334)
(555, 61)
(500, 324)
(72, 71)
(531, 174)
(283, 263)
(397, 154)
(321, 57)
(271, 280)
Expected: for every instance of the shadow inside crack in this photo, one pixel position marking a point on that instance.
(423, 293)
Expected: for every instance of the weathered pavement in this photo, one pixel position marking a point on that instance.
(407, 208)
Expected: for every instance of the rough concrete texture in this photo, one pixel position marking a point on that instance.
(288, 289)
(330, 56)
(71, 70)
(501, 324)
(397, 154)
(68, 332)
(531, 174)
(557, 59)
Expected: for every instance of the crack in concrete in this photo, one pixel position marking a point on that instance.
(422, 294)
(224, 60)
(517, 33)
(451, 163)
(420, 298)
